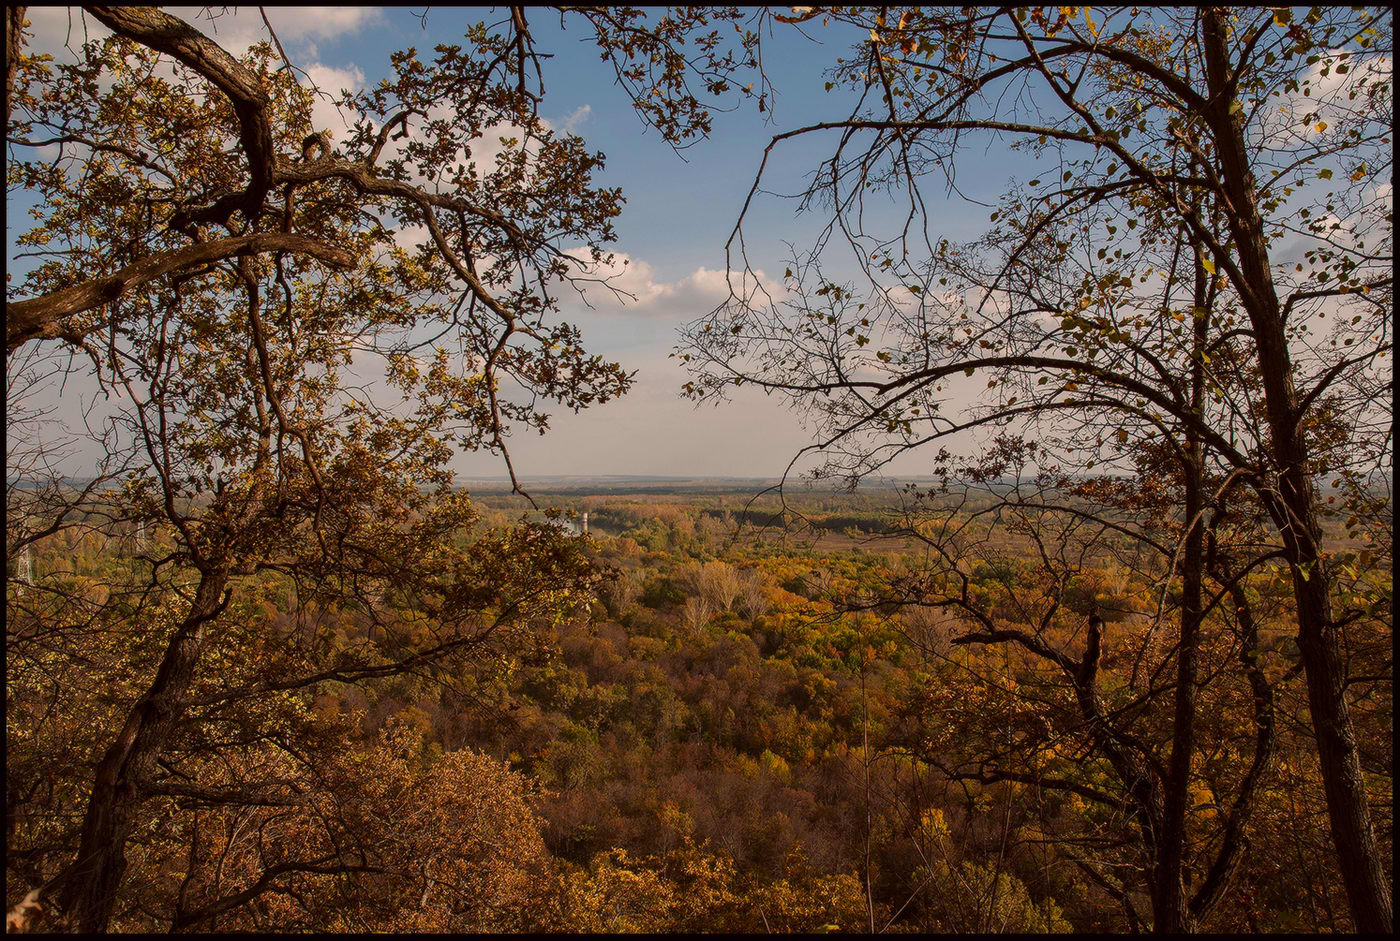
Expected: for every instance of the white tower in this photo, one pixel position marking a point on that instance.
(585, 524)
(24, 568)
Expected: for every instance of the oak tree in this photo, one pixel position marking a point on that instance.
(295, 327)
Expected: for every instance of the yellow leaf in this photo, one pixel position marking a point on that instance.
(1209, 265)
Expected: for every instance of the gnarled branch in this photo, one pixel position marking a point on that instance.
(42, 317)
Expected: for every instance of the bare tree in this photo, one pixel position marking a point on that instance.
(1249, 150)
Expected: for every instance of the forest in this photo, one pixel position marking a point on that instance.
(1116, 656)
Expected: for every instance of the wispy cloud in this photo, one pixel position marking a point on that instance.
(579, 116)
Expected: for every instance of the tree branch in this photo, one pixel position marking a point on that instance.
(41, 317)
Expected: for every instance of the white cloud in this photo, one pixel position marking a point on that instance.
(61, 31)
(1324, 104)
(55, 29)
(578, 117)
(321, 22)
(331, 82)
(650, 295)
(297, 27)
(623, 273)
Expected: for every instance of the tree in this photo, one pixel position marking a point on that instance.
(296, 332)
(1081, 713)
(1246, 151)
(451, 841)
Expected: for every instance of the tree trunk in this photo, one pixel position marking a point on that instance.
(1172, 915)
(14, 40)
(1232, 841)
(1368, 891)
(89, 889)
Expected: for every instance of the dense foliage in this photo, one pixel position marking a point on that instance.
(713, 740)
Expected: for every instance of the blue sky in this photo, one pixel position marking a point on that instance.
(680, 211)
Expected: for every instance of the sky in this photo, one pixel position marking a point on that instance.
(681, 209)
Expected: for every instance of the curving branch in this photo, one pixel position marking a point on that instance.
(324, 865)
(43, 317)
(165, 33)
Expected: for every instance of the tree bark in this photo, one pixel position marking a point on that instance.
(162, 32)
(88, 890)
(1171, 915)
(1232, 841)
(1368, 891)
(14, 39)
(42, 317)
